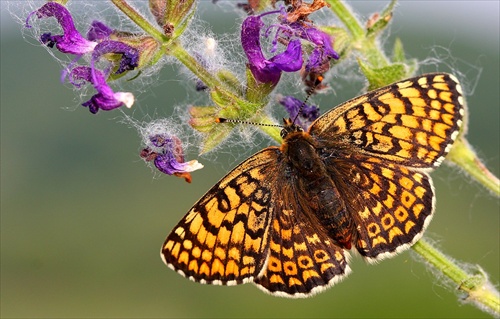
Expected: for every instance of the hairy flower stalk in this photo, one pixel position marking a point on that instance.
(297, 45)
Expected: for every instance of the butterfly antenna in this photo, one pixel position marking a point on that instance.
(224, 120)
(317, 82)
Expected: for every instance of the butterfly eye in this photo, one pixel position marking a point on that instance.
(283, 133)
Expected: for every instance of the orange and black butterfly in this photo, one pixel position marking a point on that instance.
(287, 216)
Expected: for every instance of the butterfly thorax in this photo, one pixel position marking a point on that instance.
(307, 168)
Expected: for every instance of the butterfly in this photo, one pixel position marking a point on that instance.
(287, 217)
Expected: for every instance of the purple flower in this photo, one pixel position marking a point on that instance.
(267, 70)
(130, 55)
(97, 44)
(98, 31)
(168, 157)
(323, 50)
(308, 113)
(71, 41)
(105, 98)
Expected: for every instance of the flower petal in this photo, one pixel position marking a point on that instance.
(323, 50)
(69, 42)
(130, 55)
(264, 70)
(289, 60)
(98, 31)
(105, 98)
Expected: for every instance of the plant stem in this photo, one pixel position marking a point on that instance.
(476, 287)
(347, 18)
(139, 20)
(176, 50)
(464, 157)
(367, 46)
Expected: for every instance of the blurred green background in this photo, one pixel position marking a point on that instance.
(83, 219)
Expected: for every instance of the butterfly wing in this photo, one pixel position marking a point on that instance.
(224, 238)
(391, 205)
(411, 123)
(384, 141)
(303, 260)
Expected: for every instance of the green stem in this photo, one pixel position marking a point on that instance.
(176, 50)
(476, 287)
(139, 20)
(371, 52)
(368, 46)
(347, 18)
(464, 157)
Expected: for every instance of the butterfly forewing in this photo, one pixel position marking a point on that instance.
(224, 237)
(412, 123)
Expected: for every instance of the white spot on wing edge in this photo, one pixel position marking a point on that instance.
(313, 291)
(207, 282)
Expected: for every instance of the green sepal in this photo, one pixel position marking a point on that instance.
(147, 46)
(202, 118)
(215, 136)
(257, 92)
(224, 99)
(179, 29)
(233, 107)
(398, 52)
(172, 15)
(398, 56)
(232, 82)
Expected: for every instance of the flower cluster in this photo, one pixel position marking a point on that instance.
(98, 43)
(111, 53)
(290, 60)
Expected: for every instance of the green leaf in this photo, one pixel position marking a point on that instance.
(379, 77)
(382, 21)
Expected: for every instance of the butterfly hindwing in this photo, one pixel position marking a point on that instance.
(390, 204)
(302, 259)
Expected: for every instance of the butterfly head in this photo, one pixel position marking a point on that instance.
(289, 127)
